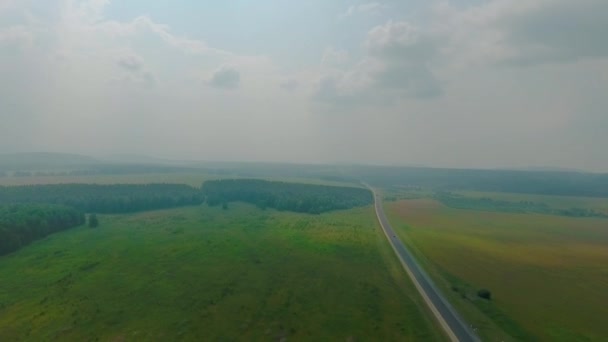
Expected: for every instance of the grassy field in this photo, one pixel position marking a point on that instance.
(548, 275)
(201, 273)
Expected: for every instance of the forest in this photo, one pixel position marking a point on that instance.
(117, 198)
(20, 224)
(32, 212)
(305, 198)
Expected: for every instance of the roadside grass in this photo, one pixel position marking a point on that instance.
(206, 273)
(548, 275)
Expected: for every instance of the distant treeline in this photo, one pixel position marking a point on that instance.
(489, 204)
(306, 198)
(117, 198)
(21, 224)
(124, 198)
(529, 182)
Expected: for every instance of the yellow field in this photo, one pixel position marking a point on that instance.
(548, 274)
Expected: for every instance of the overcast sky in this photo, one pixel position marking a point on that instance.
(462, 83)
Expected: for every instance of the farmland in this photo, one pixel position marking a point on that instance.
(223, 274)
(547, 274)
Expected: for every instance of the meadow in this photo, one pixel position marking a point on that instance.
(548, 275)
(207, 273)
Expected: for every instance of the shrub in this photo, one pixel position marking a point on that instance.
(93, 221)
(485, 294)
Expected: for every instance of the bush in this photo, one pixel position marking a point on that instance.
(93, 221)
(485, 294)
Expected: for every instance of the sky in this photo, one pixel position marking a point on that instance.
(462, 83)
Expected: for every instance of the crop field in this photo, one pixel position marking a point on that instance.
(548, 275)
(206, 273)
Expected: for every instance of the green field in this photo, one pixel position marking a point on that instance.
(201, 273)
(548, 275)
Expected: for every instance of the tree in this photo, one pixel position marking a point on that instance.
(21, 224)
(485, 294)
(93, 221)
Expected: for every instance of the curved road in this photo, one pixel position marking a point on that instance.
(450, 321)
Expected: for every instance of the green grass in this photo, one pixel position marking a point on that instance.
(548, 274)
(202, 273)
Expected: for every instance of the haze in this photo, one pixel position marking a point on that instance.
(465, 83)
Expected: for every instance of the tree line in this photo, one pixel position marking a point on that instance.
(32, 212)
(297, 197)
(116, 198)
(489, 204)
(20, 224)
(525, 182)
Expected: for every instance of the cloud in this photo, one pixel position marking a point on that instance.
(399, 41)
(225, 77)
(333, 57)
(289, 85)
(371, 7)
(396, 65)
(558, 31)
(130, 62)
(18, 35)
(525, 33)
(137, 72)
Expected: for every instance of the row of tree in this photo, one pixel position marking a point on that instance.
(489, 204)
(116, 198)
(32, 212)
(307, 198)
(21, 224)
(526, 182)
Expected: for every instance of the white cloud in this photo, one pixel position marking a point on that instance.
(333, 57)
(524, 33)
(396, 65)
(130, 62)
(16, 35)
(289, 84)
(371, 7)
(225, 77)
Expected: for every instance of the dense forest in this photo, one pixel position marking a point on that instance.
(296, 197)
(31, 212)
(118, 198)
(21, 224)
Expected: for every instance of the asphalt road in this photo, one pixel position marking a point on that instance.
(450, 321)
